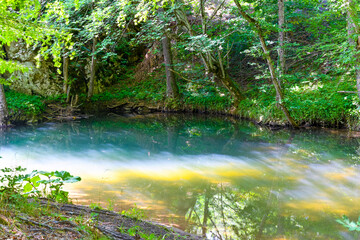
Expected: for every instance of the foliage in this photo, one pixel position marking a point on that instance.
(209, 35)
(137, 231)
(135, 213)
(26, 104)
(314, 103)
(22, 20)
(36, 184)
(352, 226)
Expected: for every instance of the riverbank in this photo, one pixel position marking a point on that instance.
(44, 219)
(310, 104)
(35, 206)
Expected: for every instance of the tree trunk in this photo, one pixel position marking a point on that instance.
(66, 73)
(93, 69)
(281, 50)
(231, 86)
(4, 113)
(172, 90)
(274, 78)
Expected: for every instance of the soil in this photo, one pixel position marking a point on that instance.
(69, 221)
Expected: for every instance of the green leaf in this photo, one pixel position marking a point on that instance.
(62, 174)
(27, 188)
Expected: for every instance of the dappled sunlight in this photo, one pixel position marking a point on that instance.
(307, 86)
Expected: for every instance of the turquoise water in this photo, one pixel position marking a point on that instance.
(219, 177)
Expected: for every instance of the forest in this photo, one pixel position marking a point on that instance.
(289, 63)
(263, 95)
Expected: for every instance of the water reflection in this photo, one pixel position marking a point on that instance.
(217, 177)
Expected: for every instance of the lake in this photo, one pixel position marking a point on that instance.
(214, 176)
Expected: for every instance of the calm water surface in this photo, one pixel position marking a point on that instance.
(214, 176)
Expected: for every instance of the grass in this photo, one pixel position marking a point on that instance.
(314, 104)
(197, 95)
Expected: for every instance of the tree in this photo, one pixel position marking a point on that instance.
(274, 78)
(14, 26)
(172, 90)
(96, 28)
(208, 46)
(23, 20)
(92, 68)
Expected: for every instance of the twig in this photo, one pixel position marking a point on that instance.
(186, 79)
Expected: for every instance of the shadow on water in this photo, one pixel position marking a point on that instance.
(217, 177)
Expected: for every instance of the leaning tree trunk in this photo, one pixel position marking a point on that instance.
(354, 28)
(212, 63)
(93, 69)
(230, 85)
(172, 90)
(4, 113)
(274, 78)
(281, 50)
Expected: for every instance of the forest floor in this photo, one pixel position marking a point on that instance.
(67, 221)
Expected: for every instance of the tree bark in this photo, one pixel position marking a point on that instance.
(93, 69)
(281, 50)
(66, 73)
(172, 90)
(274, 78)
(4, 113)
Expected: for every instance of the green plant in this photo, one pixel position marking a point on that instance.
(352, 226)
(95, 206)
(135, 213)
(36, 183)
(22, 103)
(111, 203)
(9, 181)
(137, 230)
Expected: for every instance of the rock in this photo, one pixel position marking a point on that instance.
(19, 52)
(40, 80)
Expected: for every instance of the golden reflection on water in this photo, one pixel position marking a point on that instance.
(125, 187)
(339, 208)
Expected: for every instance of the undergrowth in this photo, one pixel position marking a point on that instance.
(23, 103)
(312, 104)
